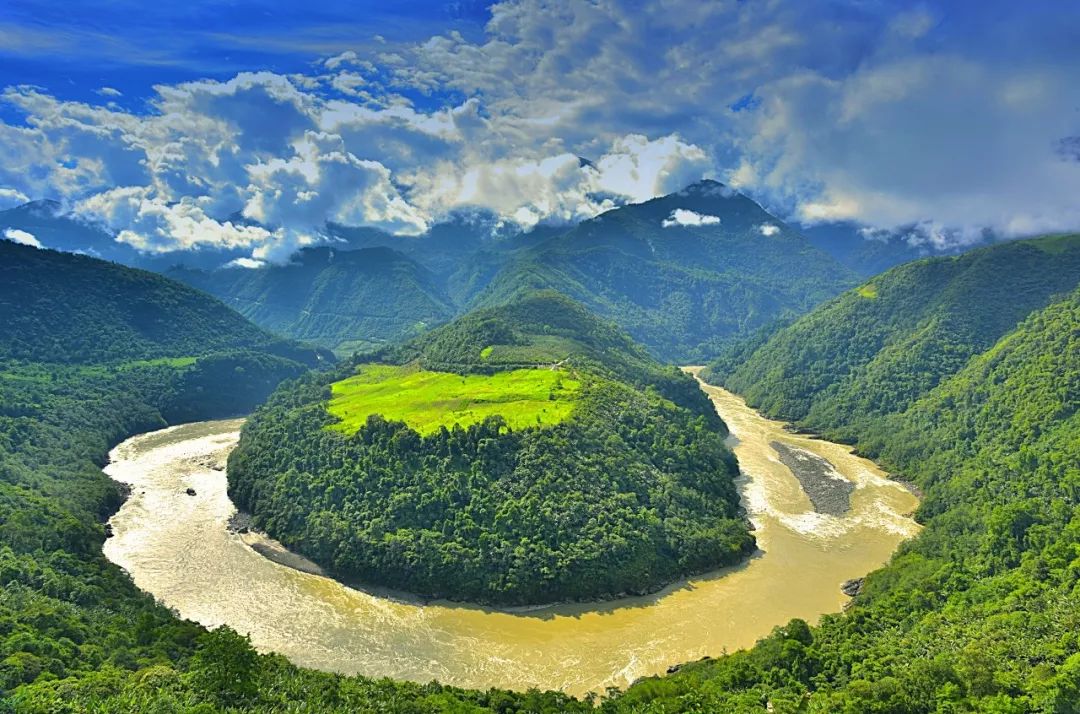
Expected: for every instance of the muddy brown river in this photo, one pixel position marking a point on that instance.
(178, 548)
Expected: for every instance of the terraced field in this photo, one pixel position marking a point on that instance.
(427, 400)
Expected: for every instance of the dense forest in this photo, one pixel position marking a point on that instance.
(681, 290)
(629, 492)
(345, 300)
(978, 613)
(76, 635)
(876, 349)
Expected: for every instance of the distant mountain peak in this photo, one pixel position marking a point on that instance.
(43, 208)
(708, 187)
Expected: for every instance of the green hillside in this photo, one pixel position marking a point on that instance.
(76, 635)
(427, 401)
(682, 291)
(876, 349)
(628, 453)
(345, 300)
(980, 611)
(60, 307)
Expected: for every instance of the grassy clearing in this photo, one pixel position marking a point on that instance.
(427, 400)
(177, 362)
(868, 291)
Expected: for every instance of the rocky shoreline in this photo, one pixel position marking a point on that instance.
(240, 523)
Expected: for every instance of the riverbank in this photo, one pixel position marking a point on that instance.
(179, 549)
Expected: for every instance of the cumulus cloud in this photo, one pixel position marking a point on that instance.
(21, 237)
(323, 182)
(684, 217)
(768, 229)
(10, 198)
(876, 113)
(149, 223)
(563, 188)
(109, 92)
(246, 263)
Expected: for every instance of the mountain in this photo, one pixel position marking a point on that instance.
(463, 251)
(683, 274)
(67, 308)
(47, 222)
(969, 615)
(76, 633)
(74, 316)
(341, 299)
(878, 348)
(440, 466)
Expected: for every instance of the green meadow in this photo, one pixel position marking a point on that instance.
(428, 400)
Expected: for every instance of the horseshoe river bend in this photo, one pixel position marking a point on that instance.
(822, 516)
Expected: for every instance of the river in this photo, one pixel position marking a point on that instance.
(178, 547)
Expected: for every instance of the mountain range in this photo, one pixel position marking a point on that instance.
(960, 374)
(683, 274)
(687, 274)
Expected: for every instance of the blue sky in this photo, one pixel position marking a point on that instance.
(74, 48)
(161, 120)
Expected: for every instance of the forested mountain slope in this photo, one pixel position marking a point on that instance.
(876, 349)
(76, 635)
(344, 300)
(683, 273)
(519, 455)
(60, 307)
(981, 611)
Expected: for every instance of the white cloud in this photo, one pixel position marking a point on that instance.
(876, 113)
(9, 198)
(559, 188)
(246, 263)
(148, 223)
(323, 182)
(109, 92)
(684, 217)
(349, 83)
(768, 229)
(641, 169)
(22, 237)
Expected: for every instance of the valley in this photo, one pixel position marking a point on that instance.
(461, 463)
(179, 548)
